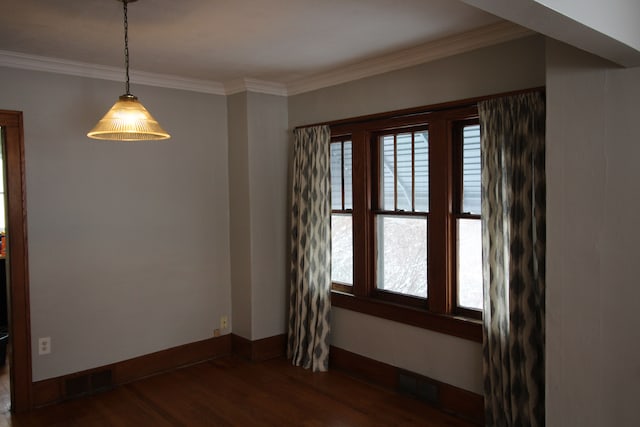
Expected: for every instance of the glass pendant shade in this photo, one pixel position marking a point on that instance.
(128, 120)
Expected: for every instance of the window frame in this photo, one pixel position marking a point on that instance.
(377, 209)
(439, 311)
(339, 286)
(457, 208)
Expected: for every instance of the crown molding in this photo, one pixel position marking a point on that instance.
(82, 69)
(431, 51)
(254, 85)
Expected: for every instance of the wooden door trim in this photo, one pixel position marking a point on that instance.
(19, 324)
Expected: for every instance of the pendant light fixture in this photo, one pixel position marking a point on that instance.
(128, 120)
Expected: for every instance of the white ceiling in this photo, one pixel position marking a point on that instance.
(280, 41)
(291, 46)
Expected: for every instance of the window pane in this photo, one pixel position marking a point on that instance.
(404, 167)
(471, 185)
(387, 166)
(341, 175)
(470, 263)
(402, 255)
(336, 175)
(421, 147)
(348, 175)
(342, 248)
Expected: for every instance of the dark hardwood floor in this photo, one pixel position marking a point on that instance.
(234, 392)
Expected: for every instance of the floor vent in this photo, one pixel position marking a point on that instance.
(76, 386)
(418, 387)
(88, 383)
(101, 380)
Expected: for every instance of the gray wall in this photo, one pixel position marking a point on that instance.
(268, 154)
(511, 66)
(240, 214)
(593, 338)
(128, 243)
(258, 177)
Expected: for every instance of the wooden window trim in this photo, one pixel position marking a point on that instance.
(442, 313)
(457, 150)
(342, 139)
(462, 327)
(439, 312)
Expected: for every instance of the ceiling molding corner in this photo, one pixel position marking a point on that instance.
(255, 85)
(427, 52)
(234, 86)
(82, 69)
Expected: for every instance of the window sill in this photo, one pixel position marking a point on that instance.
(462, 327)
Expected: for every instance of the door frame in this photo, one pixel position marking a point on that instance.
(17, 265)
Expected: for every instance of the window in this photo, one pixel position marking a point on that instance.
(341, 208)
(468, 221)
(402, 211)
(406, 215)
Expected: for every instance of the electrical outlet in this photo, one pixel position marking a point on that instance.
(224, 322)
(44, 346)
(216, 332)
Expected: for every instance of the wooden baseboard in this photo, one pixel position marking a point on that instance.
(259, 350)
(460, 402)
(54, 390)
(452, 399)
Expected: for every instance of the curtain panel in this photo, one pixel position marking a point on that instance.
(514, 229)
(310, 292)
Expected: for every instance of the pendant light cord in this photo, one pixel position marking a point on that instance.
(126, 44)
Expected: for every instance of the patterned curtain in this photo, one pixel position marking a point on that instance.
(513, 220)
(310, 294)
